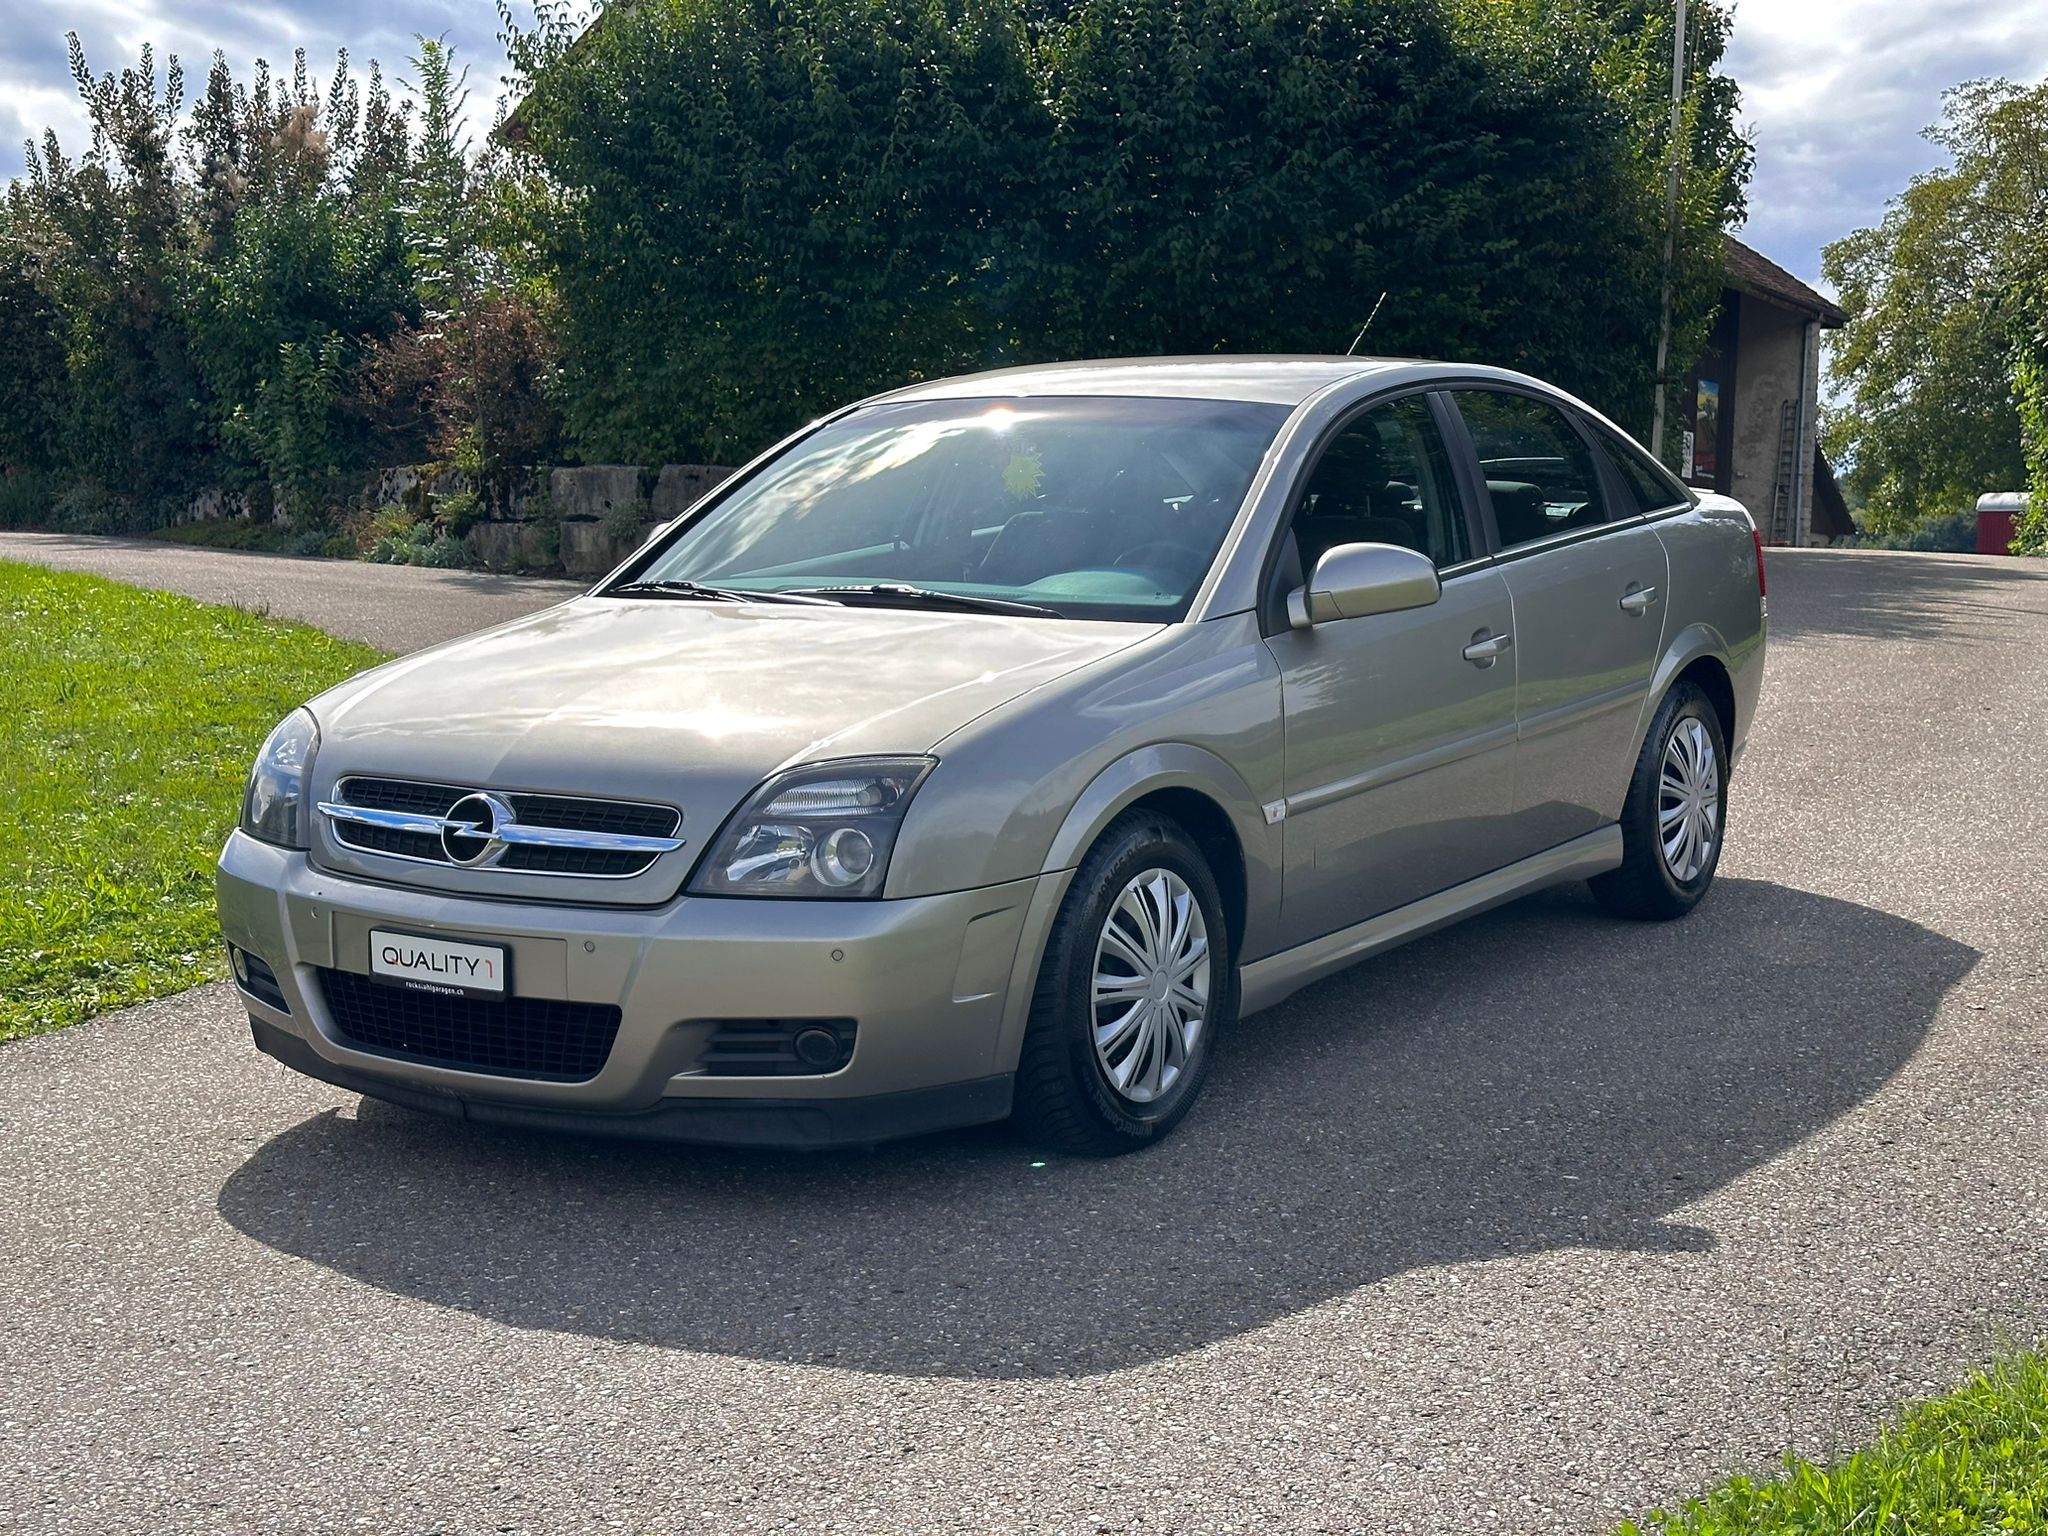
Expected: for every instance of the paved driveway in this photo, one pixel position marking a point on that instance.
(1530, 1225)
(394, 607)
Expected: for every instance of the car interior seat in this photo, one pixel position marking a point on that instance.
(1351, 501)
(1519, 511)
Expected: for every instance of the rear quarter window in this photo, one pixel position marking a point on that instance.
(1650, 485)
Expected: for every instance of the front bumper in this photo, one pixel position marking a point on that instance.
(937, 985)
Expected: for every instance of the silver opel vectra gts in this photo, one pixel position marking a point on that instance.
(994, 746)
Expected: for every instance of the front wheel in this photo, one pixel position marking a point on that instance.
(1135, 984)
(1677, 812)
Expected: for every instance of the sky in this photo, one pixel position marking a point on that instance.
(1835, 92)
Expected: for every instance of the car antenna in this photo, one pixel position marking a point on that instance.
(1353, 348)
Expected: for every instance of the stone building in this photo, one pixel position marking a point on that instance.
(1748, 414)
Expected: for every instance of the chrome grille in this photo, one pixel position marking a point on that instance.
(542, 835)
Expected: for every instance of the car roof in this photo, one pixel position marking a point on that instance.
(1274, 380)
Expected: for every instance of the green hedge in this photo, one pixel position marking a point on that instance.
(759, 208)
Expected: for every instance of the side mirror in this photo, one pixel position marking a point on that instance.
(1352, 581)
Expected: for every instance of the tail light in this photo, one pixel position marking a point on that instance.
(1757, 535)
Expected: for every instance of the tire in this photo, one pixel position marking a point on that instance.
(1683, 754)
(1068, 1096)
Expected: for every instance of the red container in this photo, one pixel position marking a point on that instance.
(1997, 511)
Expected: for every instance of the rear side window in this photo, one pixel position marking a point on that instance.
(1652, 487)
(1540, 474)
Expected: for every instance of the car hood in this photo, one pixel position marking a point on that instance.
(686, 702)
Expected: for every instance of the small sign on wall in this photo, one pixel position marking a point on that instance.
(1706, 429)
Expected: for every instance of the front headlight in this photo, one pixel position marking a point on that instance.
(274, 804)
(822, 830)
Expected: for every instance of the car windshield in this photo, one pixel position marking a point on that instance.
(1074, 507)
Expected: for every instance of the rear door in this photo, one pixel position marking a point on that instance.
(1400, 727)
(1588, 579)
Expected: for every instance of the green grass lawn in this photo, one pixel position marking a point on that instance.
(1973, 1462)
(128, 720)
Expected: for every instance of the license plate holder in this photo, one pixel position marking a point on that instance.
(441, 966)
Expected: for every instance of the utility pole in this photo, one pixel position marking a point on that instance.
(1670, 225)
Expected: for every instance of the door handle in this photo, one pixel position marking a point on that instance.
(1486, 648)
(1636, 599)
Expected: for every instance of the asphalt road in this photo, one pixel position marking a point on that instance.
(1534, 1224)
(394, 607)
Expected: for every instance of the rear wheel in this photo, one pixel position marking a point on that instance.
(1135, 984)
(1677, 812)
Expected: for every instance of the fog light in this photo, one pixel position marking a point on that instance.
(816, 1047)
(255, 977)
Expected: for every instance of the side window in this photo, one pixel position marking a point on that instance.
(1652, 488)
(1384, 479)
(1539, 472)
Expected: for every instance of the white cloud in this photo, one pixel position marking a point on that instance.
(1837, 93)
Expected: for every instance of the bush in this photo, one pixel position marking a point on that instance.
(1955, 534)
(396, 542)
(457, 512)
(89, 507)
(769, 206)
(25, 497)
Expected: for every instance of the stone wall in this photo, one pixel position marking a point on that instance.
(603, 512)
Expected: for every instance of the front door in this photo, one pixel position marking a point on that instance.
(1400, 746)
(1589, 595)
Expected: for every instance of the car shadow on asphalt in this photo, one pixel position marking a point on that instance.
(1540, 1077)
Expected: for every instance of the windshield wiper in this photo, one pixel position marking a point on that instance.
(889, 594)
(696, 591)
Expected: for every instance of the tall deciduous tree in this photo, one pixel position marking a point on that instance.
(109, 236)
(1945, 356)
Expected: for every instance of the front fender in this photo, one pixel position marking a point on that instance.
(1144, 771)
(1176, 765)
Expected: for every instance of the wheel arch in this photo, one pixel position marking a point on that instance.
(1698, 655)
(1209, 825)
(1191, 785)
(1711, 675)
(1209, 799)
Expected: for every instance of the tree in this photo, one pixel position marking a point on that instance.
(1253, 176)
(438, 209)
(287, 285)
(1948, 331)
(34, 381)
(107, 236)
(758, 208)
(303, 269)
(212, 279)
(761, 207)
